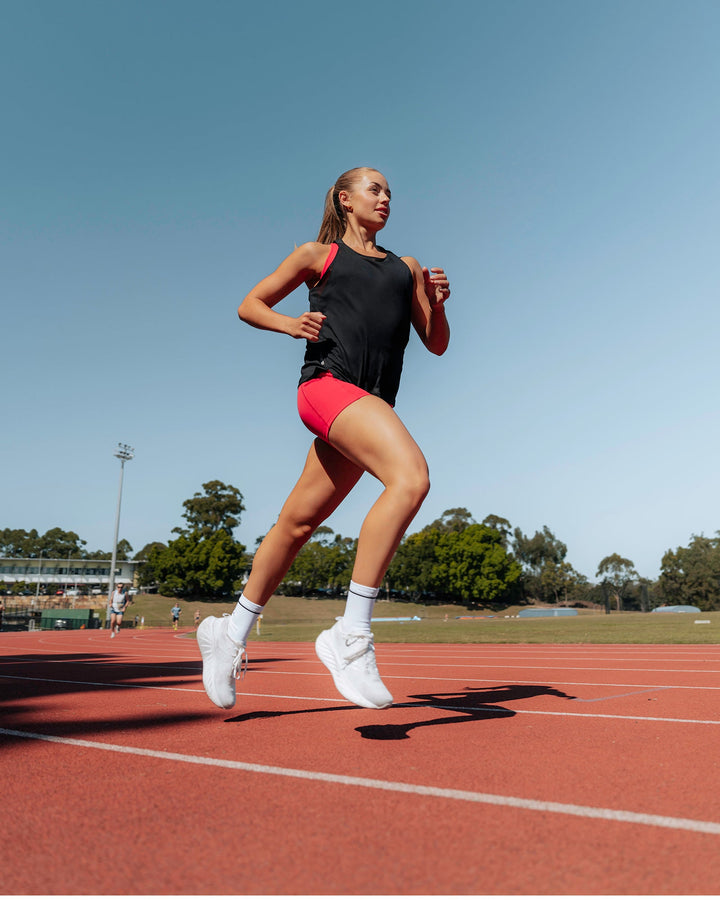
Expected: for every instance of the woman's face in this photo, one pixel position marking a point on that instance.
(368, 199)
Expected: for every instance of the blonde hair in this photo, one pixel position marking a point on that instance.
(334, 220)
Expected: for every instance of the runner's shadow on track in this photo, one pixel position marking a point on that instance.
(474, 704)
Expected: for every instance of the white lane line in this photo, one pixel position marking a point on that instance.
(266, 670)
(564, 651)
(570, 715)
(339, 701)
(183, 665)
(571, 651)
(595, 684)
(616, 696)
(553, 668)
(160, 687)
(570, 809)
(102, 684)
(194, 666)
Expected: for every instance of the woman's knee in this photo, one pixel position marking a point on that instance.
(413, 483)
(421, 486)
(296, 530)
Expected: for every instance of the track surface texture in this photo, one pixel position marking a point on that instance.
(501, 769)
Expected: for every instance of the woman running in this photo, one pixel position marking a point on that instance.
(363, 300)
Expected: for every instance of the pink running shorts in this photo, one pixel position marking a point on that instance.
(322, 399)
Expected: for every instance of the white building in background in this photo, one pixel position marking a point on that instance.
(54, 574)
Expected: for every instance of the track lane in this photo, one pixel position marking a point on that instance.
(498, 736)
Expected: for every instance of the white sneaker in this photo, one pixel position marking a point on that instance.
(351, 661)
(222, 660)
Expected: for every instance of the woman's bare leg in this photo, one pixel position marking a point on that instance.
(371, 435)
(326, 480)
(366, 436)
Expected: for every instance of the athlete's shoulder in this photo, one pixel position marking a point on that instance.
(312, 251)
(412, 264)
(309, 258)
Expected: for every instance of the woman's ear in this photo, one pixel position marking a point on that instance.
(344, 200)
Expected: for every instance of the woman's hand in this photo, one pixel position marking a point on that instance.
(307, 326)
(437, 286)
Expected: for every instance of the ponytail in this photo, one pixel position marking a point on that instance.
(334, 220)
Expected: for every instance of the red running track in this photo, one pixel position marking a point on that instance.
(502, 769)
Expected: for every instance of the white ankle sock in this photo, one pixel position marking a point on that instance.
(244, 616)
(358, 609)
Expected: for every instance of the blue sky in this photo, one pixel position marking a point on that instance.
(559, 159)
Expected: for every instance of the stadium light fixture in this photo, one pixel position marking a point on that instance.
(124, 453)
(37, 586)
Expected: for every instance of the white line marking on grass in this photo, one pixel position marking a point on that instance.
(585, 812)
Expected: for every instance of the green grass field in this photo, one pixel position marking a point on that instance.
(301, 619)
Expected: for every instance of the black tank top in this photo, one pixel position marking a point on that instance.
(367, 302)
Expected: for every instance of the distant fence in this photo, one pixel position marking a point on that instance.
(29, 618)
(69, 619)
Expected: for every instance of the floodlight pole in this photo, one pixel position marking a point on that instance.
(37, 586)
(123, 453)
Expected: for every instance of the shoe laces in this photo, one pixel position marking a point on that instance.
(240, 663)
(356, 645)
(240, 659)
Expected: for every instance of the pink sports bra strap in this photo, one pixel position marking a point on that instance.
(328, 261)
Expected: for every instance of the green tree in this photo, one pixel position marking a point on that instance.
(144, 554)
(54, 544)
(198, 567)
(18, 543)
(545, 573)
(456, 560)
(321, 564)
(692, 574)
(457, 519)
(474, 565)
(145, 573)
(561, 582)
(217, 509)
(502, 526)
(344, 549)
(617, 575)
(124, 549)
(541, 548)
(413, 566)
(644, 594)
(59, 544)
